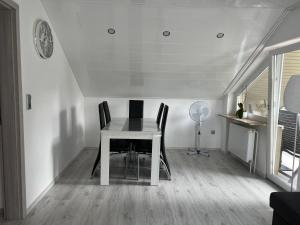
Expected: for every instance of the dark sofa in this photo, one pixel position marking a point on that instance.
(286, 207)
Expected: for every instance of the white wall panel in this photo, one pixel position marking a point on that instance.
(54, 128)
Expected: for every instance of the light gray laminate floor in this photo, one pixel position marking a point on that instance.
(209, 191)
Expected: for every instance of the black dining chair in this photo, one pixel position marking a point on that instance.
(164, 159)
(106, 111)
(147, 144)
(148, 149)
(102, 125)
(136, 109)
(117, 146)
(159, 114)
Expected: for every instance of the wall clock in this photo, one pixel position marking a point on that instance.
(43, 39)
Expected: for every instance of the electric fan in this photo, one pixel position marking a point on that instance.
(199, 112)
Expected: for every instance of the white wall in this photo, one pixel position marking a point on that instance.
(261, 165)
(54, 128)
(228, 104)
(179, 130)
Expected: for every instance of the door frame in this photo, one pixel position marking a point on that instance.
(12, 117)
(272, 131)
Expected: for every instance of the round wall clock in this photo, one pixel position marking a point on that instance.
(43, 39)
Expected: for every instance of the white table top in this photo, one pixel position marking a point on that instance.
(145, 125)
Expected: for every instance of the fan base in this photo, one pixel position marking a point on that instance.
(195, 151)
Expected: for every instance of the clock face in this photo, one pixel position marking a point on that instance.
(43, 39)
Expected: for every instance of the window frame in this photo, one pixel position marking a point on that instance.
(265, 66)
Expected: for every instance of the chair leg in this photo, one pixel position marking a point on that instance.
(126, 158)
(138, 167)
(166, 169)
(164, 158)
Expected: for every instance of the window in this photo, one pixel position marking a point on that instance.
(255, 96)
(291, 66)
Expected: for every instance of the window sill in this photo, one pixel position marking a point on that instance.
(246, 122)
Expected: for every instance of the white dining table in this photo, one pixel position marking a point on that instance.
(124, 128)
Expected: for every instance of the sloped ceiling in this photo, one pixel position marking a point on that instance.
(138, 61)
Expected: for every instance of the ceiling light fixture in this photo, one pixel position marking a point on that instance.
(220, 35)
(166, 33)
(111, 31)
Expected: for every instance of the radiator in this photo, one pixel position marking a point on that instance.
(241, 142)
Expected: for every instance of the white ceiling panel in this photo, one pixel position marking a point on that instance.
(138, 61)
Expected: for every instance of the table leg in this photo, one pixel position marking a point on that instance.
(104, 177)
(155, 160)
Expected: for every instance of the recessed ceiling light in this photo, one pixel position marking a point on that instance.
(111, 31)
(166, 33)
(220, 35)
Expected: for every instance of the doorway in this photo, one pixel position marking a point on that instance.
(11, 120)
(284, 124)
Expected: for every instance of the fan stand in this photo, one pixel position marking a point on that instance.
(197, 150)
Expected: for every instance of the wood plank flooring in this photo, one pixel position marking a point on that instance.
(203, 191)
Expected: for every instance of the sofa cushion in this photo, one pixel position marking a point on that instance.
(287, 205)
(278, 220)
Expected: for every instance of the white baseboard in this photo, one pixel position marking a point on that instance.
(168, 148)
(186, 148)
(91, 148)
(257, 172)
(52, 183)
(39, 198)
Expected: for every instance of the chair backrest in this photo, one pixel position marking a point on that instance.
(101, 115)
(162, 142)
(136, 109)
(159, 114)
(164, 122)
(106, 111)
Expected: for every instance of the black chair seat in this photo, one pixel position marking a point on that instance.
(119, 145)
(143, 146)
(286, 207)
